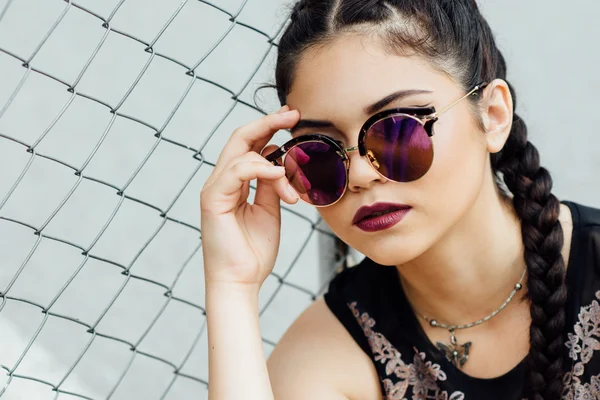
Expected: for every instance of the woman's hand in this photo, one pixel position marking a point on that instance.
(240, 241)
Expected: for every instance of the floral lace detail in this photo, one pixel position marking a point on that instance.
(421, 376)
(582, 345)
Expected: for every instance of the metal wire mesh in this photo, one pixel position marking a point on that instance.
(68, 283)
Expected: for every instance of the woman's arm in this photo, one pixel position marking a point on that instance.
(237, 366)
(240, 242)
(315, 359)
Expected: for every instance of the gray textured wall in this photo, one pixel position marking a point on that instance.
(551, 49)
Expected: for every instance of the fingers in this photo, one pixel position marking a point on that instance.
(297, 179)
(225, 192)
(268, 194)
(255, 135)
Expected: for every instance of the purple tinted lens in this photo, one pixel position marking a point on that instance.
(399, 148)
(317, 172)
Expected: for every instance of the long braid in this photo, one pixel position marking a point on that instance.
(543, 239)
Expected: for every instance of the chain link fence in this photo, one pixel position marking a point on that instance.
(112, 115)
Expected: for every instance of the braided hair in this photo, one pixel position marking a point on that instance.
(455, 38)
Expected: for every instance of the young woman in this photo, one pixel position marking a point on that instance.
(478, 282)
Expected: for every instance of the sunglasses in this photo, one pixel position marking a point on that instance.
(396, 142)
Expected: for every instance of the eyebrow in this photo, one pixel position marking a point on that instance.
(372, 109)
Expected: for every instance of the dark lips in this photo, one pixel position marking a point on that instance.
(366, 211)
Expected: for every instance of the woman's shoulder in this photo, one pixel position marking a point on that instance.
(318, 358)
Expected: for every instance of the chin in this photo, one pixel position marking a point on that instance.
(389, 259)
(391, 251)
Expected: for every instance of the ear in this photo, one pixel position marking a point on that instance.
(497, 114)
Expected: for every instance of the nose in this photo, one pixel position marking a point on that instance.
(361, 174)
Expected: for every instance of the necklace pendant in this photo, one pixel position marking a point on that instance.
(456, 353)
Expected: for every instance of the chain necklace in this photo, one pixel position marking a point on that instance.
(457, 353)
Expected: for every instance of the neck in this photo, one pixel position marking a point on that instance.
(472, 270)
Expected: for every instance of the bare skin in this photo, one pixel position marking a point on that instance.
(460, 231)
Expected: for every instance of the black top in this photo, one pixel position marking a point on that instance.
(369, 301)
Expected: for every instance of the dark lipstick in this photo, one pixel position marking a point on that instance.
(379, 216)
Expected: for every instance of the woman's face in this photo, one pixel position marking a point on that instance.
(336, 84)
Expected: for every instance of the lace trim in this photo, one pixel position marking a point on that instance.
(420, 376)
(582, 344)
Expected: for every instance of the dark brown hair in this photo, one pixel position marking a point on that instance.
(456, 39)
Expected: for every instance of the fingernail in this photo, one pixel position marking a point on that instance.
(281, 109)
